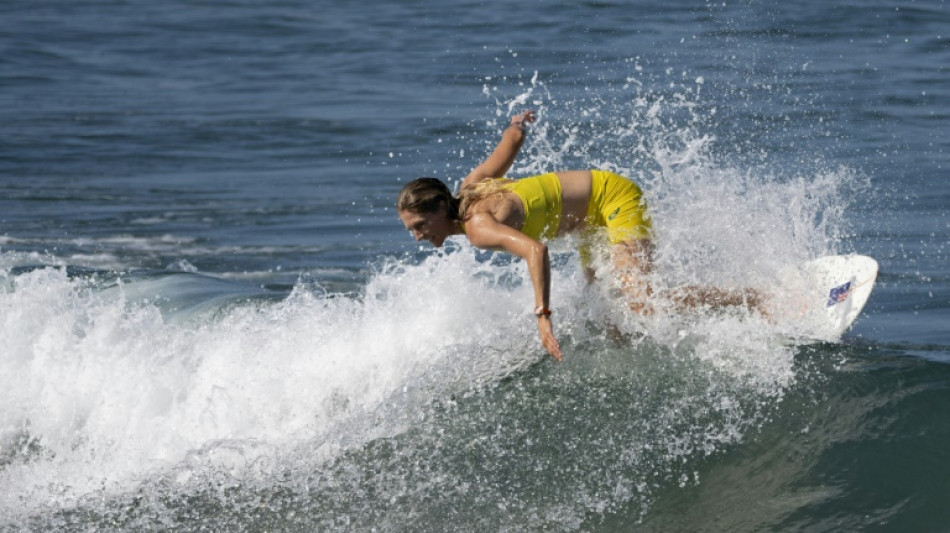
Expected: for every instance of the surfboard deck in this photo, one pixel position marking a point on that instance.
(821, 299)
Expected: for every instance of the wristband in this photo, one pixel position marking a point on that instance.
(541, 311)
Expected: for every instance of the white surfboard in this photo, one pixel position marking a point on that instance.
(821, 299)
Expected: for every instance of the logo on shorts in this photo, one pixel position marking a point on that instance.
(614, 214)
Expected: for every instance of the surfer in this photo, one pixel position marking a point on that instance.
(517, 216)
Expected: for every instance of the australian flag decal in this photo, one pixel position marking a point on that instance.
(839, 294)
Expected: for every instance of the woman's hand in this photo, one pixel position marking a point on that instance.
(546, 330)
(521, 120)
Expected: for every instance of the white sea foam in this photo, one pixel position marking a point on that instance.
(100, 393)
(103, 391)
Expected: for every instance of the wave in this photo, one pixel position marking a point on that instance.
(159, 386)
(423, 396)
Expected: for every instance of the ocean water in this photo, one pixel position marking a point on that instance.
(212, 318)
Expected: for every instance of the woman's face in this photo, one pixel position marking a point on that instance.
(433, 227)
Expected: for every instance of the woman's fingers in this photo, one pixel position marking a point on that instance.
(527, 117)
(554, 349)
(547, 338)
(550, 344)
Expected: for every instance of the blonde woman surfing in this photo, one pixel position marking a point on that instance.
(518, 216)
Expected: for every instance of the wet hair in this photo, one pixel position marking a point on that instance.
(470, 196)
(425, 195)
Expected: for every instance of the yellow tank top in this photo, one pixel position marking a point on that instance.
(541, 198)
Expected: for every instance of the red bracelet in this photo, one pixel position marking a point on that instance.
(541, 311)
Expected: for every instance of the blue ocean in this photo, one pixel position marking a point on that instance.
(212, 318)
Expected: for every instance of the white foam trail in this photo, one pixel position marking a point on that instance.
(108, 393)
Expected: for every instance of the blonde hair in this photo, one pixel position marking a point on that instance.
(469, 196)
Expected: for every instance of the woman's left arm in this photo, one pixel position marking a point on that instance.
(501, 158)
(484, 231)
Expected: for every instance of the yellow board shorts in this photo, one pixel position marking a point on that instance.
(617, 204)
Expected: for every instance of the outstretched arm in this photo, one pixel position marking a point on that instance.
(501, 158)
(484, 231)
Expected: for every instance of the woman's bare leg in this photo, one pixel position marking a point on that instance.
(694, 296)
(633, 261)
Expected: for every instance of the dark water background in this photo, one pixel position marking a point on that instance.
(228, 168)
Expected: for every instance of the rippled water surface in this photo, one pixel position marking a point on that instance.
(213, 318)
